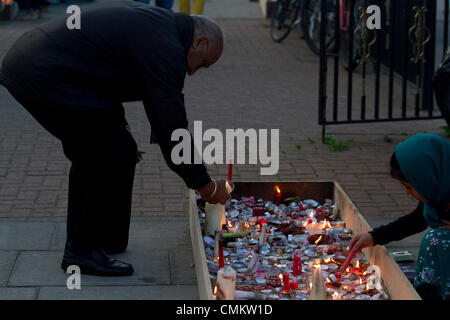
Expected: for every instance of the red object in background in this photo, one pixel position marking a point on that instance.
(230, 171)
(261, 222)
(286, 283)
(221, 262)
(277, 196)
(319, 210)
(297, 267)
(294, 284)
(300, 207)
(258, 211)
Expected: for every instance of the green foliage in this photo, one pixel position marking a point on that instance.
(336, 145)
(446, 130)
(298, 146)
(311, 140)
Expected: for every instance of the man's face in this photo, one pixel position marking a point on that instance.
(202, 54)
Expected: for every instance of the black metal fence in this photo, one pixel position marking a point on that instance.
(388, 74)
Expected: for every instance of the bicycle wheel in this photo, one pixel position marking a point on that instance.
(284, 15)
(311, 18)
(345, 40)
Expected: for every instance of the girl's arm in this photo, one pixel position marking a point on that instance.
(401, 228)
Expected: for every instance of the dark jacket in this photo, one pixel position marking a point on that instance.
(405, 226)
(124, 51)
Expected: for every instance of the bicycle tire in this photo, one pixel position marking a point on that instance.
(345, 40)
(311, 9)
(284, 10)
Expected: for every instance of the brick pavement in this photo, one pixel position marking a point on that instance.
(256, 84)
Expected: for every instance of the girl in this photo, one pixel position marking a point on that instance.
(422, 165)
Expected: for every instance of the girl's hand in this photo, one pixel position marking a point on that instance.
(361, 241)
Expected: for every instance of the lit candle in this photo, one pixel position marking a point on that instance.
(226, 281)
(277, 196)
(348, 260)
(215, 293)
(215, 217)
(262, 235)
(261, 222)
(216, 245)
(318, 291)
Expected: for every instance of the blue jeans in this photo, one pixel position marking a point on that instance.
(166, 4)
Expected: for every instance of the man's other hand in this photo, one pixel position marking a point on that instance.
(220, 196)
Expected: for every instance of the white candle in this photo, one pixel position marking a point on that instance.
(318, 288)
(262, 235)
(226, 283)
(215, 217)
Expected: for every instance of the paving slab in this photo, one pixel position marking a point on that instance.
(182, 270)
(25, 236)
(174, 292)
(17, 293)
(143, 234)
(7, 260)
(42, 268)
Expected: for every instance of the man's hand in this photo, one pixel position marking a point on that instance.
(361, 241)
(221, 196)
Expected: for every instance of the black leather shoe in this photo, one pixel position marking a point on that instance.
(94, 261)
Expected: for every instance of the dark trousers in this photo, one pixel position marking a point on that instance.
(103, 156)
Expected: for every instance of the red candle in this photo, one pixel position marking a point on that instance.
(286, 284)
(297, 267)
(277, 196)
(294, 284)
(221, 263)
(230, 171)
(261, 222)
(348, 260)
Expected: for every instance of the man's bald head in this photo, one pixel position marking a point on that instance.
(207, 45)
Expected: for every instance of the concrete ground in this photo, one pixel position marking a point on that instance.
(256, 84)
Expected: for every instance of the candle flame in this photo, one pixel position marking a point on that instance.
(357, 264)
(335, 295)
(318, 240)
(347, 270)
(281, 277)
(278, 189)
(215, 290)
(312, 215)
(327, 260)
(310, 285)
(367, 286)
(360, 280)
(305, 223)
(328, 280)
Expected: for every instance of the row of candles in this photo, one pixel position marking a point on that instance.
(257, 227)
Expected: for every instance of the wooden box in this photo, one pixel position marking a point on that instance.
(395, 282)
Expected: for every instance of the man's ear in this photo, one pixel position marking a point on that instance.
(198, 40)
